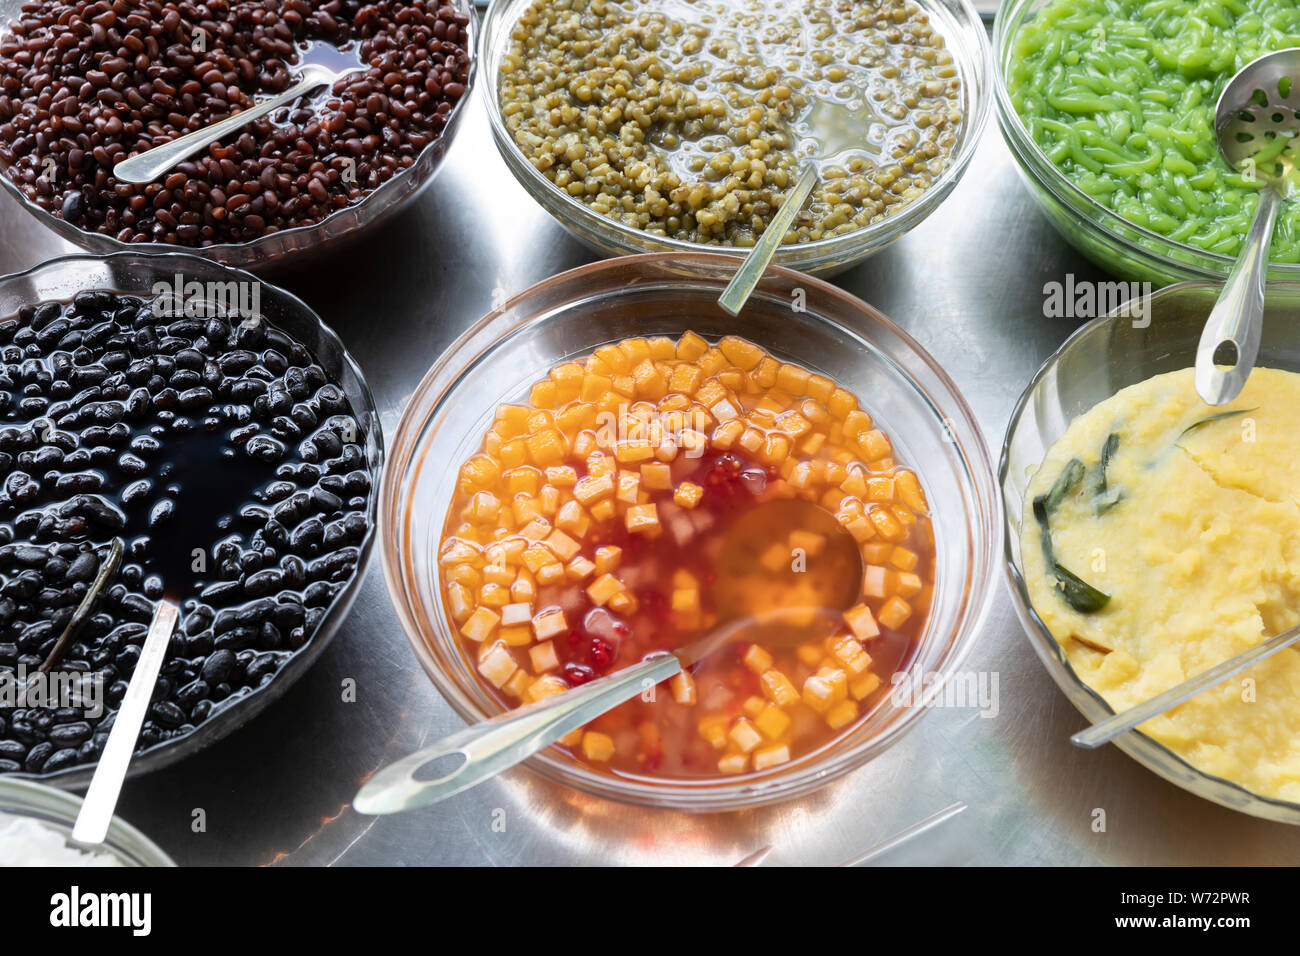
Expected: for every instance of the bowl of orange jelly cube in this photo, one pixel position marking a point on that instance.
(569, 491)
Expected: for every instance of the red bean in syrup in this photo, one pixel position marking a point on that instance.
(183, 437)
(82, 88)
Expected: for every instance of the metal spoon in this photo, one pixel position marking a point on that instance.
(106, 785)
(742, 284)
(749, 604)
(1258, 111)
(884, 846)
(1107, 730)
(147, 166)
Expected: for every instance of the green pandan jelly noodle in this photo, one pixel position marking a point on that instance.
(1120, 95)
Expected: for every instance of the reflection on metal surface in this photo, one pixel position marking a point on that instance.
(272, 791)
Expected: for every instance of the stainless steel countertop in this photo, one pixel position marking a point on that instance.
(968, 283)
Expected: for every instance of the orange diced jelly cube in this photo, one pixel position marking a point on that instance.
(520, 612)
(543, 394)
(579, 569)
(764, 375)
(744, 355)
(778, 688)
(662, 348)
(792, 379)
(518, 684)
(909, 585)
(550, 623)
(604, 588)
(684, 379)
(656, 476)
(543, 657)
(682, 684)
(875, 581)
(562, 545)
(887, 524)
(757, 659)
(733, 763)
(772, 721)
(515, 636)
(650, 382)
(597, 746)
(690, 347)
(497, 666)
(714, 729)
(861, 622)
(840, 403)
(864, 685)
(894, 613)
(544, 687)
(909, 491)
(880, 488)
(608, 557)
(874, 444)
(842, 714)
(480, 625)
(744, 735)
(643, 519)
(771, 756)
(688, 494)
(589, 489)
(481, 471)
(595, 387)
(904, 559)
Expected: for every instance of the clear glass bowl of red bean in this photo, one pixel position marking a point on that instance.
(84, 85)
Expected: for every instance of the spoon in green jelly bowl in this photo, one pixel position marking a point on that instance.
(1257, 119)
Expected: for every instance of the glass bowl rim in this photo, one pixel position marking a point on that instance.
(122, 838)
(160, 755)
(709, 794)
(1141, 747)
(888, 228)
(1096, 214)
(71, 233)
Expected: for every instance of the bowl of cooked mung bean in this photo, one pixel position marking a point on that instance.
(649, 127)
(1108, 108)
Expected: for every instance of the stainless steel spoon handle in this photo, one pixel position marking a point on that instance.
(1107, 730)
(745, 280)
(1239, 314)
(101, 799)
(147, 166)
(495, 745)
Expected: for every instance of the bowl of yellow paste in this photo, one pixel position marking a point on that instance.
(1150, 536)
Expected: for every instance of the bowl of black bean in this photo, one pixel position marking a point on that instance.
(84, 85)
(169, 426)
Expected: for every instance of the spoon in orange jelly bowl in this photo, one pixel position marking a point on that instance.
(765, 591)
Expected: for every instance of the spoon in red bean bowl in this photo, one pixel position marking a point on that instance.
(145, 167)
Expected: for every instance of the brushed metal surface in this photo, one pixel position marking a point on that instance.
(969, 284)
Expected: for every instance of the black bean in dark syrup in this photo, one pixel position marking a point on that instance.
(225, 461)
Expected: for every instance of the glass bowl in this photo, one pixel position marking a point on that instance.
(302, 243)
(1102, 357)
(58, 811)
(135, 274)
(567, 317)
(966, 39)
(1112, 242)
